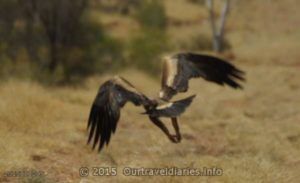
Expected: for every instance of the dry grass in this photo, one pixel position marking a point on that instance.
(253, 135)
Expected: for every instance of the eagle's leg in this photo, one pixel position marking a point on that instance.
(176, 127)
(160, 124)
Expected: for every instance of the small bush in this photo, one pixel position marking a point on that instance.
(96, 52)
(152, 15)
(81, 46)
(145, 49)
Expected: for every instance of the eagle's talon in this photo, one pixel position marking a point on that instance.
(174, 139)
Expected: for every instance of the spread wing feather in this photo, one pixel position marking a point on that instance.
(106, 109)
(178, 69)
(172, 109)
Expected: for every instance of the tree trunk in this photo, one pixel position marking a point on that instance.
(53, 57)
(218, 34)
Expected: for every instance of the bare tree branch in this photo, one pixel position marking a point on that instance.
(218, 32)
(223, 18)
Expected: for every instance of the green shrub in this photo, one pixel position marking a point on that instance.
(146, 48)
(96, 52)
(152, 15)
(83, 48)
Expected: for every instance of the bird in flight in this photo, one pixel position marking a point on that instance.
(177, 70)
(113, 95)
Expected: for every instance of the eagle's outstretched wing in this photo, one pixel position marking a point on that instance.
(112, 96)
(179, 68)
(105, 111)
(171, 109)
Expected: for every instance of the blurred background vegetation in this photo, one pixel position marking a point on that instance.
(54, 41)
(45, 43)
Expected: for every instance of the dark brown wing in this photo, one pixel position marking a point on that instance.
(178, 69)
(171, 109)
(105, 111)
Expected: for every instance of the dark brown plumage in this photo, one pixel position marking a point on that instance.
(179, 68)
(177, 71)
(112, 96)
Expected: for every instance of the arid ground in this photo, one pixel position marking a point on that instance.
(253, 135)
